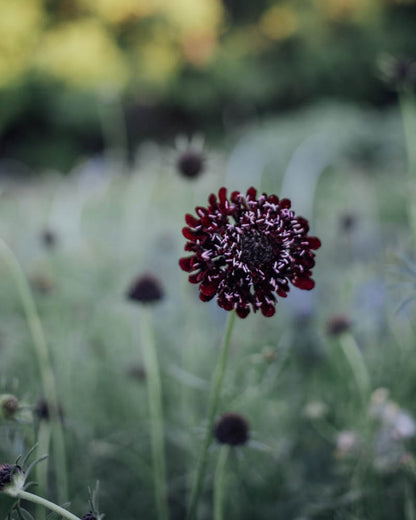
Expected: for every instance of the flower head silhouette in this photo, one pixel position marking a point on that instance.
(246, 250)
(232, 428)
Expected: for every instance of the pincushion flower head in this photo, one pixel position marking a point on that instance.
(246, 250)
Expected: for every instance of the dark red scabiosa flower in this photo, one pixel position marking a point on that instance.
(6, 474)
(190, 163)
(145, 289)
(246, 250)
(231, 428)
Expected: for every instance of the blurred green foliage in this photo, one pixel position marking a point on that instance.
(181, 65)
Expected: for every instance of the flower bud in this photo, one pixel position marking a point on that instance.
(9, 405)
(232, 428)
(89, 516)
(145, 289)
(190, 163)
(337, 325)
(11, 475)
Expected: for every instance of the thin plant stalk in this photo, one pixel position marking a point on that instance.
(154, 392)
(212, 409)
(44, 437)
(30, 497)
(409, 504)
(113, 125)
(219, 484)
(44, 362)
(408, 113)
(357, 364)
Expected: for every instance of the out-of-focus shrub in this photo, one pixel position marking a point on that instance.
(202, 59)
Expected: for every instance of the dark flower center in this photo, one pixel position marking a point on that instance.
(257, 249)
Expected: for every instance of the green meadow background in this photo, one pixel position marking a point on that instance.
(98, 100)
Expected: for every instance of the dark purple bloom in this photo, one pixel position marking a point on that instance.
(348, 222)
(232, 428)
(145, 289)
(190, 163)
(9, 405)
(337, 324)
(6, 473)
(398, 71)
(247, 250)
(49, 238)
(42, 411)
(89, 516)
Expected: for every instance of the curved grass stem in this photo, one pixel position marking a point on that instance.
(44, 362)
(408, 113)
(30, 497)
(44, 436)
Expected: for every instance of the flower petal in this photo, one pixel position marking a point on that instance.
(314, 242)
(186, 264)
(304, 283)
(191, 221)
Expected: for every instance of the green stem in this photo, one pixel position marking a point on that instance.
(110, 109)
(30, 497)
(44, 362)
(219, 484)
(154, 392)
(212, 409)
(356, 361)
(409, 504)
(44, 436)
(408, 112)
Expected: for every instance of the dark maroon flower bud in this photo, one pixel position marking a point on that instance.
(145, 289)
(42, 283)
(398, 72)
(42, 411)
(347, 222)
(48, 238)
(137, 373)
(246, 250)
(6, 474)
(9, 405)
(190, 163)
(337, 324)
(232, 428)
(89, 516)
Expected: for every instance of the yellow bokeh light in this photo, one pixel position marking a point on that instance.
(340, 9)
(119, 11)
(158, 59)
(192, 15)
(278, 22)
(20, 25)
(198, 46)
(83, 54)
(197, 24)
